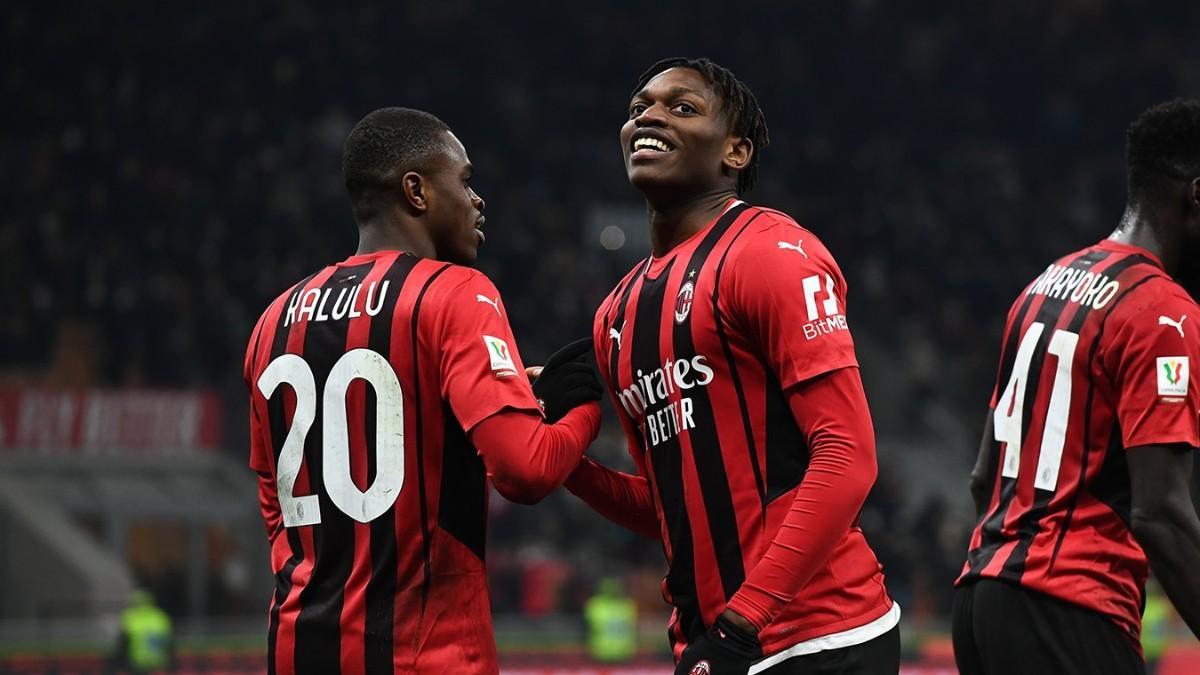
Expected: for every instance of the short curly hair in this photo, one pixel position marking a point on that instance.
(385, 145)
(741, 108)
(1163, 146)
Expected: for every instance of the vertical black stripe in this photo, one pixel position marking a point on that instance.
(1081, 481)
(318, 628)
(278, 427)
(381, 588)
(614, 356)
(991, 533)
(419, 434)
(743, 406)
(665, 457)
(462, 506)
(1029, 524)
(787, 450)
(705, 442)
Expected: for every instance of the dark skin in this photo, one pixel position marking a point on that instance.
(687, 186)
(1164, 521)
(431, 213)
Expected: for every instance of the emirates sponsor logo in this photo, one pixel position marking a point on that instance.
(648, 399)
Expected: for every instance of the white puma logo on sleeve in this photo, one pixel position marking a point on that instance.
(494, 303)
(1168, 321)
(798, 246)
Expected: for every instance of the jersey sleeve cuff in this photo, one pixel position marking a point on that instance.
(752, 606)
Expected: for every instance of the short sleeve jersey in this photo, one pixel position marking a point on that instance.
(1095, 362)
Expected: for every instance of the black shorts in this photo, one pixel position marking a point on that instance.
(1004, 628)
(880, 656)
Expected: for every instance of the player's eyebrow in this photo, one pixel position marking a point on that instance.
(677, 90)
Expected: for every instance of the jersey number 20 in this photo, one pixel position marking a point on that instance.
(335, 437)
(1010, 408)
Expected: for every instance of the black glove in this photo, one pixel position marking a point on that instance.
(724, 650)
(567, 380)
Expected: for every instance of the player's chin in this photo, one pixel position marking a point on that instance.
(649, 177)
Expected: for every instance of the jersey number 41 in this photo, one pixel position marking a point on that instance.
(1007, 421)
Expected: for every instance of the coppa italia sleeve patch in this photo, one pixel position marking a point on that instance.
(502, 363)
(1172, 375)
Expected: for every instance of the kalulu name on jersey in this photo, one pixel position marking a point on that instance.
(1079, 286)
(314, 301)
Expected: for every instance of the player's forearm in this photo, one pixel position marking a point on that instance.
(833, 415)
(620, 497)
(981, 478)
(1171, 539)
(823, 510)
(527, 458)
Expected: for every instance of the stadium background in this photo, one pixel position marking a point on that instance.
(168, 169)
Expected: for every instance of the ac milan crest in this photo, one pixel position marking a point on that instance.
(701, 668)
(683, 301)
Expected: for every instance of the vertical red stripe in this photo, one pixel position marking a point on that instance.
(354, 596)
(422, 406)
(285, 646)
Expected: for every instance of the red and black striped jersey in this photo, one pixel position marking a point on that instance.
(1095, 362)
(364, 380)
(698, 348)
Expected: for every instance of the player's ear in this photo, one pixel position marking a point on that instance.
(738, 152)
(415, 190)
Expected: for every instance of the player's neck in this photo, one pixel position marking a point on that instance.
(671, 224)
(375, 236)
(1143, 228)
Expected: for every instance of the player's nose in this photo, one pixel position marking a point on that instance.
(654, 115)
(477, 201)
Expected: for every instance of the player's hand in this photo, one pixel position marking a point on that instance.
(724, 650)
(567, 380)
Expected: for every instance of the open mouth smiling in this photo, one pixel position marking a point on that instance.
(647, 144)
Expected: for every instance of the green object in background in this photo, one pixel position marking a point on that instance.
(1154, 622)
(612, 623)
(147, 630)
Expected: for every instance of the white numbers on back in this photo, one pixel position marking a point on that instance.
(356, 364)
(1007, 418)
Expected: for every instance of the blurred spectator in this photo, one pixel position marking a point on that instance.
(145, 644)
(611, 617)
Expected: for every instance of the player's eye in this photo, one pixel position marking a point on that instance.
(637, 109)
(686, 108)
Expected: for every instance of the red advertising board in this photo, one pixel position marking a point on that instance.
(103, 421)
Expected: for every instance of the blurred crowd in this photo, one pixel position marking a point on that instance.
(169, 169)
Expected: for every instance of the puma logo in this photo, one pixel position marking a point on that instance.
(798, 246)
(1168, 321)
(616, 335)
(494, 303)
